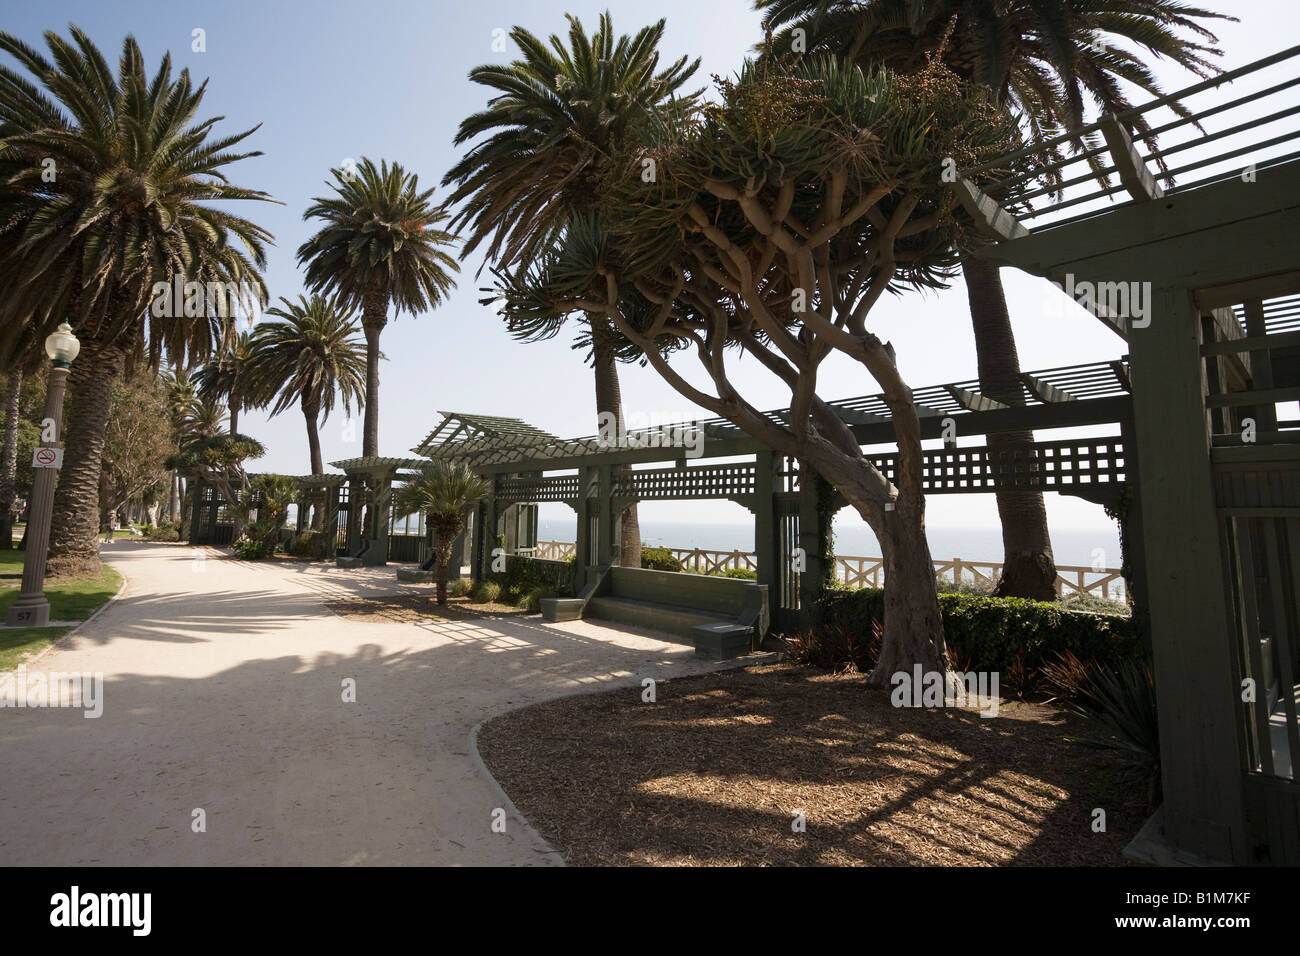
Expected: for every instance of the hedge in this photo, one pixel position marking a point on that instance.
(524, 574)
(990, 634)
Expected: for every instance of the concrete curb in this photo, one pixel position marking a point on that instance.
(62, 639)
(476, 758)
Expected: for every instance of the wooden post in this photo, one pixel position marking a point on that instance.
(582, 539)
(812, 539)
(354, 514)
(1190, 632)
(765, 546)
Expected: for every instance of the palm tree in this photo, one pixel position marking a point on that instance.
(1041, 57)
(126, 208)
(181, 393)
(204, 418)
(224, 379)
(558, 114)
(380, 246)
(309, 357)
(444, 492)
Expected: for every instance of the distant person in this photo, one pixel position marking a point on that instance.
(112, 527)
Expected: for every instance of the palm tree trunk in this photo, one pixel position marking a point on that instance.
(74, 529)
(609, 401)
(9, 459)
(233, 405)
(174, 505)
(311, 413)
(1029, 569)
(374, 316)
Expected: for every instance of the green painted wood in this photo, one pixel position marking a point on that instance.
(1192, 652)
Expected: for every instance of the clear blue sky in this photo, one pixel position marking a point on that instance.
(387, 78)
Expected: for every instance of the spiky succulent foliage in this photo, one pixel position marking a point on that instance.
(1044, 58)
(380, 236)
(109, 183)
(558, 115)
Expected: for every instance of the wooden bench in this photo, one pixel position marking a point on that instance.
(721, 617)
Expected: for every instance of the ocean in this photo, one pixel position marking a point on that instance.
(1082, 547)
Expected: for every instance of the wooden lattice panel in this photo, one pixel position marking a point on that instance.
(678, 484)
(1046, 466)
(538, 488)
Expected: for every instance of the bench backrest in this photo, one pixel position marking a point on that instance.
(727, 597)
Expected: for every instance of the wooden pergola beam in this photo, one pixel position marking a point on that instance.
(1133, 173)
(973, 401)
(1046, 391)
(990, 218)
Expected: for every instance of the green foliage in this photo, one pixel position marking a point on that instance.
(459, 587)
(164, 534)
(1120, 698)
(487, 592)
(443, 491)
(143, 193)
(659, 559)
(996, 634)
(309, 544)
(309, 355)
(531, 598)
(380, 238)
(523, 576)
(555, 118)
(743, 574)
(255, 545)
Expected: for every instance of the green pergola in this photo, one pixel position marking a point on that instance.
(1219, 483)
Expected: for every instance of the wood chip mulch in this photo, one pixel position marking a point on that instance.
(713, 771)
(419, 608)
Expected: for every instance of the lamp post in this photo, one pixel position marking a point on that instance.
(30, 608)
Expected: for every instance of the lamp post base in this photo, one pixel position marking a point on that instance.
(28, 610)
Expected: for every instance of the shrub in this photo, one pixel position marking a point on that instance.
(252, 548)
(487, 592)
(837, 647)
(459, 587)
(1098, 605)
(531, 600)
(744, 574)
(523, 574)
(659, 559)
(164, 534)
(1120, 697)
(998, 634)
(309, 544)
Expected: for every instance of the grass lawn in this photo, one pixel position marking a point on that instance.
(712, 772)
(73, 600)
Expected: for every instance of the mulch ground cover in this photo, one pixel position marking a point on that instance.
(713, 772)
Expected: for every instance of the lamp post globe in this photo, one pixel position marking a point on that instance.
(62, 346)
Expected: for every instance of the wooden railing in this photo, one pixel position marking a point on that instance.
(866, 572)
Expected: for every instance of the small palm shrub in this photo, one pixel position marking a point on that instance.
(487, 592)
(459, 587)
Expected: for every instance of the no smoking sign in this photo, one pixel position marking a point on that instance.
(47, 458)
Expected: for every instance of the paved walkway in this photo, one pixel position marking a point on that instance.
(223, 691)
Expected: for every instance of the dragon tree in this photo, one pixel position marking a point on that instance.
(766, 225)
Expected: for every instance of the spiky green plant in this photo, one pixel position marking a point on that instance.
(443, 492)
